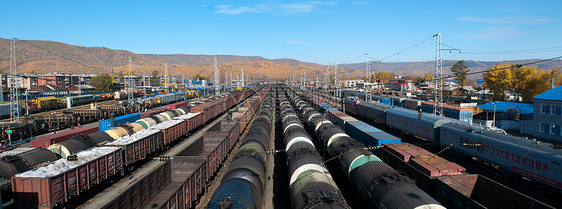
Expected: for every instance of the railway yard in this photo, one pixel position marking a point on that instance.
(271, 146)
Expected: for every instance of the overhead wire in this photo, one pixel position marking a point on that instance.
(503, 68)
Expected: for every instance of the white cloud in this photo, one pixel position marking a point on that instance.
(494, 34)
(276, 9)
(297, 42)
(506, 20)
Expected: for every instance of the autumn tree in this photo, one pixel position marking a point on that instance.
(525, 81)
(428, 77)
(331, 79)
(199, 77)
(103, 82)
(472, 82)
(460, 70)
(418, 80)
(499, 79)
(154, 78)
(120, 77)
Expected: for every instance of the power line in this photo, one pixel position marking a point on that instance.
(503, 68)
(406, 49)
(520, 51)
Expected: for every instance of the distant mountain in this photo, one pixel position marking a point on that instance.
(422, 68)
(49, 56)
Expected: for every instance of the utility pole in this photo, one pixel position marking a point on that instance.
(217, 81)
(130, 83)
(438, 92)
(14, 102)
(242, 77)
(336, 81)
(166, 76)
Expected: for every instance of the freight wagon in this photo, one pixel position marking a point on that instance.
(449, 183)
(44, 103)
(76, 146)
(118, 121)
(79, 100)
(476, 141)
(47, 140)
(48, 186)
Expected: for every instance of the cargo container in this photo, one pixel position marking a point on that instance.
(47, 140)
(47, 186)
(118, 121)
(368, 134)
(339, 118)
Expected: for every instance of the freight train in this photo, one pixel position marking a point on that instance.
(310, 182)
(521, 156)
(242, 186)
(462, 114)
(436, 176)
(379, 185)
(91, 159)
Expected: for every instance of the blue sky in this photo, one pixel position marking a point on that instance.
(312, 31)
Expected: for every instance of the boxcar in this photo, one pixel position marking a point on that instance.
(47, 140)
(58, 182)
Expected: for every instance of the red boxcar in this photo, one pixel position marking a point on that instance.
(420, 164)
(47, 140)
(176, 105)
(150, 113)
(46, 188)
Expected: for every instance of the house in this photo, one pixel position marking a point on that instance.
(48, 90)
(60, 80)
(547, 116)
(351, 83)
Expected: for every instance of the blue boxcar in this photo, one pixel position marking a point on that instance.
(368, 134)
(117, 121)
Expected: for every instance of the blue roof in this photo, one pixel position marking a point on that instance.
(552, 94)
(503, 106)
